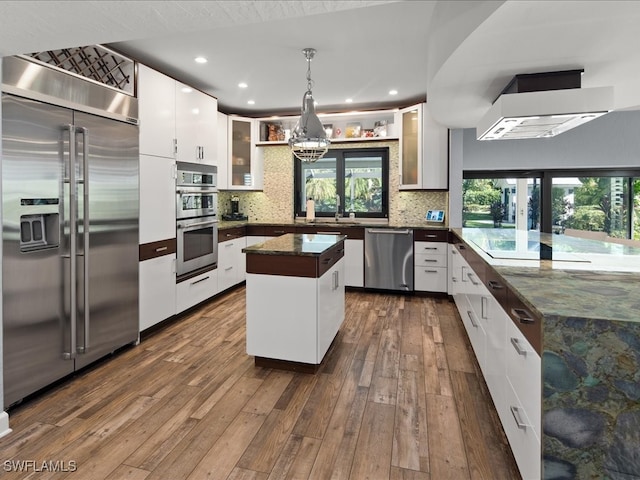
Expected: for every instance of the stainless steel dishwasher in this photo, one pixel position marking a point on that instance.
(388, 258)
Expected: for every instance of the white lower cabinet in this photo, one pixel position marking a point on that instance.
(430, 266)
(231, 263)
(195, 290)
(294, 318)
(157, 286)
(354, 263)
(510, 365)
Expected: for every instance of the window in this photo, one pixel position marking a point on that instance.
(344, 181)
(572, 201)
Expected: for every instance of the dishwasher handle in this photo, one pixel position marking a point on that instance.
(406, 231)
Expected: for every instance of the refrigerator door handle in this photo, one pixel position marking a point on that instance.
(71, 353)
(85, 233)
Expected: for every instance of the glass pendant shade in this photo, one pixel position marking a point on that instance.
(309, 140)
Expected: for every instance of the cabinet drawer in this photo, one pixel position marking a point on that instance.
(524, 371)
(524, 441)
(231, 233)
(196, 290)
(227, 277)
(277, 230)
(431, 235)
(433, 248)
(528, 323)
(430, 279)
(429, 260)
(229, 251)
(150, 250)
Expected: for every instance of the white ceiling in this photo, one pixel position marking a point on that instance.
(458, 53)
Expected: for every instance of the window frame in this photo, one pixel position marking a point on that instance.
(341, 155)
(546, 176)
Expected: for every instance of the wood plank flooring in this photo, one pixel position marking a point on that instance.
(398, 397)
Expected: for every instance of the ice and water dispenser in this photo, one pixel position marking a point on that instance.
(39, 231)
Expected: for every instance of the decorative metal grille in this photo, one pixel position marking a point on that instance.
(94, 62)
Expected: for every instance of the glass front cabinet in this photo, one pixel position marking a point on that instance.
(424, 150)
(244, 169)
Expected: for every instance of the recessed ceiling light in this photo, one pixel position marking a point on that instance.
(251, 102)
(186, 90)
(349, 100)
(393, 92)
(200, 60)
(242, 85)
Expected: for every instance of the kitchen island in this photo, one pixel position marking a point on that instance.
(295, 299)
(577, 304)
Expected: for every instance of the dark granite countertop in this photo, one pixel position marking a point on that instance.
(342, 224)
(296, 244)
(577, 277)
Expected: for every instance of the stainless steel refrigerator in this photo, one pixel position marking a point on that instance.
(70, 241)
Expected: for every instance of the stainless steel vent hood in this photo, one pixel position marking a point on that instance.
(543, 105)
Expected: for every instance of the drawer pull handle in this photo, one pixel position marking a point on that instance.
(494, 285)
(161, 249)
(430, 260)
(516, 344)
(430, 235)
(430, 271)
(227, 269)
(470, 275)
(515, 411)
(228, 245)
(430, 248)
(201, 280)
(328, 233)
(454, 279)
(454, 252)
(471, 318)
(522, 315)
(326, 261)
(278, 231)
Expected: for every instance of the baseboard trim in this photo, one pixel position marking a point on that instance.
(4, 424)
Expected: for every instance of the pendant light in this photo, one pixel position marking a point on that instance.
(308, 140)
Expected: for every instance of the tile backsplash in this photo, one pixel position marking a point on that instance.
(274, 204)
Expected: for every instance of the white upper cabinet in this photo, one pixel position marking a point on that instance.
(409, 121)
(223, 155)
(196, 121)
(435, 153)
(157, 112)
(424, 150)
(244, 164)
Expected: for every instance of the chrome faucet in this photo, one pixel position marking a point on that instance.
(337, 208)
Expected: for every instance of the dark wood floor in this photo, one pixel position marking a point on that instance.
(398, 397)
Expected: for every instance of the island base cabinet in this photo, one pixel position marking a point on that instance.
(294, 319)
(157, 278)
(195, 290)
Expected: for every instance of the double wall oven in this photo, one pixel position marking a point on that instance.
(196, 218)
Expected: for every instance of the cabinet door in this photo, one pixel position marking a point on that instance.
(330, 307)
(207, 130)
(222, 160)
(435, 153)
(354, 263)
(157, 198)
(157, 285)
(157, 112)
(410, 122)
(196, 290)
(188, 115)
(241, 153)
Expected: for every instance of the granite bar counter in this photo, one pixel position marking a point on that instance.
(586, 296)
(295, 299)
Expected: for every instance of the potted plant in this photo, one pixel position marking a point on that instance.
(497, 210)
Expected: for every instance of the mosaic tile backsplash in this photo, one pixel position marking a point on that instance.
(274, 204)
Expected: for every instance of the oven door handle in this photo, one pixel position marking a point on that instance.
(199, 224)
(196, 190)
